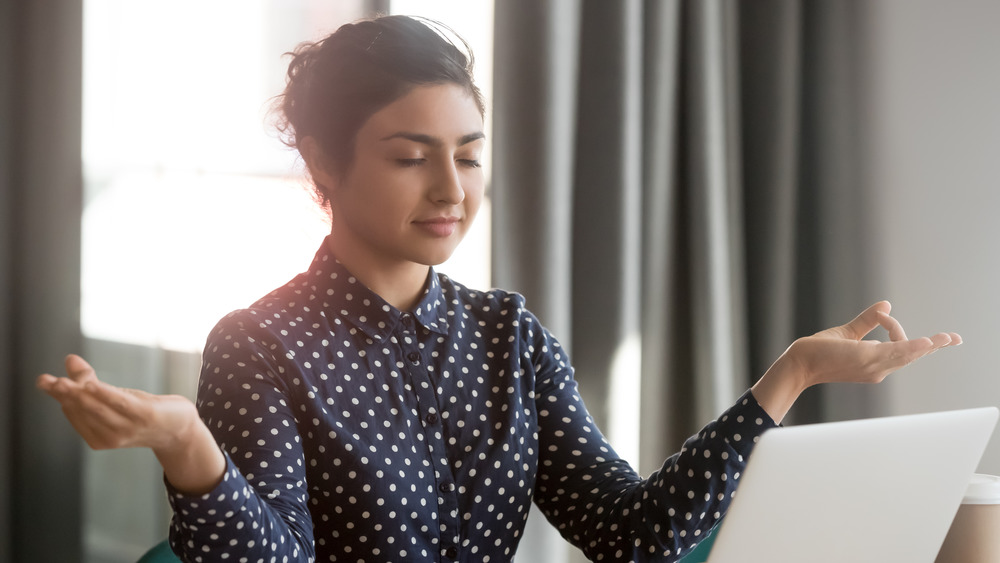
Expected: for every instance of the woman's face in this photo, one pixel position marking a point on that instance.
(415, 184)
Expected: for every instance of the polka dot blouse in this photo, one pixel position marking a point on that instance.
(354, 431)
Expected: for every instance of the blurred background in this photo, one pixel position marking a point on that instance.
(854, 149)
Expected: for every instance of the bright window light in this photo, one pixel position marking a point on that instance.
(193, 206)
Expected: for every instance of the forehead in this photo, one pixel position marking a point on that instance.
(445, 111)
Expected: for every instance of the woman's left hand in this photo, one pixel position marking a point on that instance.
(840, 354)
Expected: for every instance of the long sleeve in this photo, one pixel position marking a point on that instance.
(259, 511)
(599, 503)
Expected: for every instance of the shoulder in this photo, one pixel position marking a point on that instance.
(457, 293)
(267, 325)
(487, 306)
(498, 308)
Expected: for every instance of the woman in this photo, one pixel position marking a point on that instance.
(372, 409)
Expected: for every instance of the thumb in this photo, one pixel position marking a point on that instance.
(864, 323)
(79, 370)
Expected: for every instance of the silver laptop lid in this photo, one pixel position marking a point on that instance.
(880, 490)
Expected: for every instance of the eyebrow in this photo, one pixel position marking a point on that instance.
(434, 141)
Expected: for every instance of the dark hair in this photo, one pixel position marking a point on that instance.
(336, 84)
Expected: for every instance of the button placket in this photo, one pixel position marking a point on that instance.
(429, 408)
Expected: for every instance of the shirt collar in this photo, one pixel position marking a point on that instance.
(345, 297)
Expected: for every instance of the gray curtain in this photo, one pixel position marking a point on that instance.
(671, 172)
(40, 203)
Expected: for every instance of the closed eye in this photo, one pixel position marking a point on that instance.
(470, 162)
(409, 162)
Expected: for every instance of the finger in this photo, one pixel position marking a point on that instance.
(900, 353)
(78, 369)
(107, 401)
(89, 417)
(100, 429)
(866, 321)
(941, 340)
(59, 388)
(87, 430)
(121, 401)
(89, 396)
(99, 421)
(102, 414)
(891, 325)
(45, 381)
(949, 339)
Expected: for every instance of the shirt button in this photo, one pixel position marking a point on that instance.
(414, 358)
(451, 552)
(407, 320)
(446, 487)
(431, 418)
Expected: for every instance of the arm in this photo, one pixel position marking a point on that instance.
(260, 508)
(598, 502)
(840, 355)
(247, 499)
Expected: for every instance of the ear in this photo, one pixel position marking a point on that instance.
(318, 164)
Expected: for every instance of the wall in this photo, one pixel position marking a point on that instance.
(934, 135)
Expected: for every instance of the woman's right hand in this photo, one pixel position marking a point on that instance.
(109, 417)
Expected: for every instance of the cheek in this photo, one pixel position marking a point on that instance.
(474, 194)
(472, 203)
(367, 192)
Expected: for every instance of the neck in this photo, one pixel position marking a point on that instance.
(400, 283)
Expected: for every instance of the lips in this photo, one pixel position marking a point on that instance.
(439, 226)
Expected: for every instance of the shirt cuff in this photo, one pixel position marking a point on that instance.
(225, 499)
(743, 423)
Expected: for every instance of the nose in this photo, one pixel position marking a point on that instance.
(448, 185)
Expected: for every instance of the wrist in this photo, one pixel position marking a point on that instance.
(180, 426)
(792, 370)
(780, 386)
(192, 461)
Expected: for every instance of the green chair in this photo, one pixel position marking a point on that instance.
(700, 553)
(160, 553)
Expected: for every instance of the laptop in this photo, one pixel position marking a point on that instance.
(881, 490)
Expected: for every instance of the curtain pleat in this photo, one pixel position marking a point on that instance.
(661, 337)
(837, 271)
(666, 174)
(770, 36)
(536, 92)
(607, 206)
(711, 167)
(40, 176)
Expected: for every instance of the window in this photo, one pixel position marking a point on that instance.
(187, 186)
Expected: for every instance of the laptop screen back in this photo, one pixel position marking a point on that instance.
(879, 490)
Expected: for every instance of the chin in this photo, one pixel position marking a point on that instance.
(434, 262)
(435, 259)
